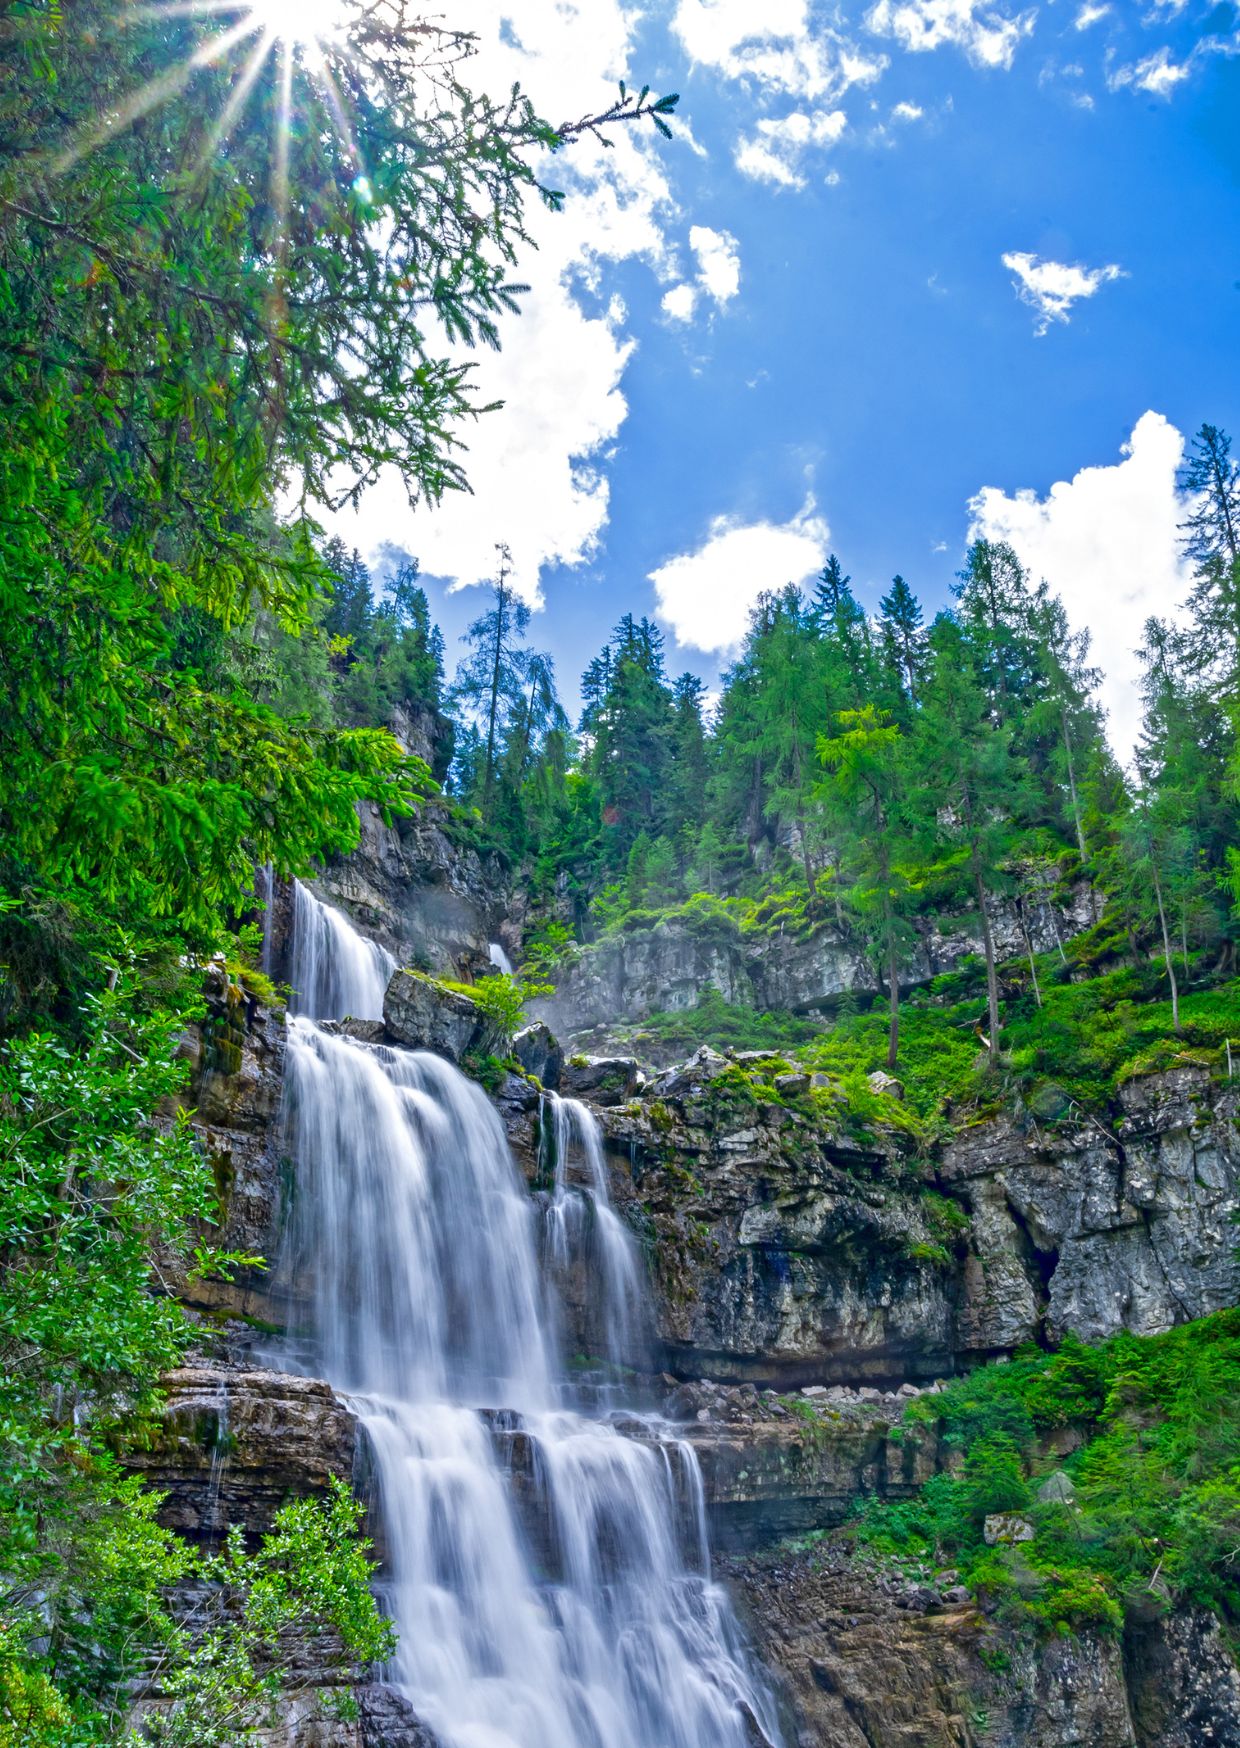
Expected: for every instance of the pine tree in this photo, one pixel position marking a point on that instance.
(865, 801)
(971, 785)
(903, 637)
(631, 724)
(490, 681)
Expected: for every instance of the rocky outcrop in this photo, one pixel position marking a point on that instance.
(788, 1250)
(237, 1060)
(1091, 1229)
(776, 1466)
(422, 1015)
(233, 1443)
(667, 967)
(433, 901)
(872, 1661)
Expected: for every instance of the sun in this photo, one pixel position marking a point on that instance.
(307, 24)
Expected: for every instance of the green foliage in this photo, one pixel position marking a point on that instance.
(1155, 1510)
(725, 1025)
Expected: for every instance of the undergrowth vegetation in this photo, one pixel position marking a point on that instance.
(1121, 1463)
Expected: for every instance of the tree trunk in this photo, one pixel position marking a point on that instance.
(992, 975)
(1076, 805)
(499, 650)
(1033, 969)
(1168, 956)
(893, 980)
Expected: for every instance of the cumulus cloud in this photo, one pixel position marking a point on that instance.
(988, 34)
(1157, 73)
(1050, 288)
(1107, 541)
(907, 112)
(775, 150)
(1091, 14)
(705, 596)
(538, 466)
(719, 262)
(780, 48)
(718, 276)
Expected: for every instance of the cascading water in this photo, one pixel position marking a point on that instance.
(335, 972)
(567, 1603)
(583, 1227)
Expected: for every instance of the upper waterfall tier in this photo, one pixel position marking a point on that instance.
(336, 973)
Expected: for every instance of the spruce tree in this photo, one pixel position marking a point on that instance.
(490, 680)
(903, 638)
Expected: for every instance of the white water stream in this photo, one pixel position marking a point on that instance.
(548, 1576)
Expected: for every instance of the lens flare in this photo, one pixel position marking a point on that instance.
(308, 24)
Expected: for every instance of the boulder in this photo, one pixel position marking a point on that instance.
(535, 1048)
(425, 1015)
(1057, 1489)
(604, 1080)
(1005, 1529)
(882, 1082)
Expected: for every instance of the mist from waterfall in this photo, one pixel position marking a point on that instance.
(548, 1576)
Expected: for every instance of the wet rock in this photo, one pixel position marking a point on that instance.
(232, 1444)
(603, 1080)
(423, 1015)
(536, 1049)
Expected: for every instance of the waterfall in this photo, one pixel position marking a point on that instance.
(336, 973)
(548, 1575)
(500, 959)
(585, 1228)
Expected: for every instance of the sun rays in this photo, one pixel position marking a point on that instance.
(300, 36)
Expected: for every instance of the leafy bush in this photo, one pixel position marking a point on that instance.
(1155, 1506)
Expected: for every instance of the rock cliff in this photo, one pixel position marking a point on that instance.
(807, 1283)
(668, 965)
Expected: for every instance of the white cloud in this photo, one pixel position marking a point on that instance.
(1157, 74)
(779, 47)
(718, 273)
(907, 112)
(988, 34)
(1090, 14)
(1051, 288)
(1107, 541)
(680, 302)
(538, 466)
(705, 596)
(775, 150)
(719, 262)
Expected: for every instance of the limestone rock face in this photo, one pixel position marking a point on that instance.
(667, 967)
(1101, 1230)
(430, 900)
(788, 1252)
(237, 1059)
(872, 1662)
(785, 1254)
(233, 1444)
(775, 1467)
(422, 1015)
(536, 1049)
(603, 1080)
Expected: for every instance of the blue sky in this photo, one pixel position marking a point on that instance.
(909, 267)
